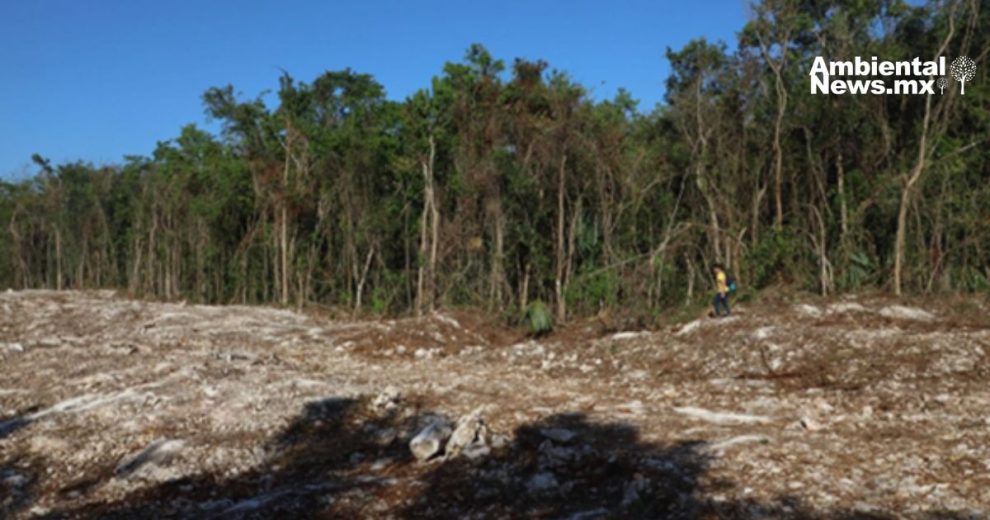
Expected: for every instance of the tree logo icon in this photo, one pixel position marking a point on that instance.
(963, 69)
(941, 83)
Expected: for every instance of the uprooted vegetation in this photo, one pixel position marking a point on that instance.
(843, 408)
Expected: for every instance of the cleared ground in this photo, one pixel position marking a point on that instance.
(843, 408)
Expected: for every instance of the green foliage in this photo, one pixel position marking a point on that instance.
(538, 318)
(859, 270)
(772, 258)
(589, 292)
(534, 183)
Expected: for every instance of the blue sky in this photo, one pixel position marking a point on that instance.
(95, 80)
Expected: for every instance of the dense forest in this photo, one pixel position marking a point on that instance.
(503, 184)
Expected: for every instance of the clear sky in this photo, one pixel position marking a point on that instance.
(95, 80)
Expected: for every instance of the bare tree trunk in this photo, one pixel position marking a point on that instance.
(285, 245)
(906, 192)
(244, 276)
(80, 267)
(434, 236)
(916, 171)
(571, 239)
(778, 151)
(560, 260)
(423, 247)
(135, 279)
(524, 289)
(150, 268)
(690, 287)
(58, 259)
(363, 278)
(428, 236)
(701, 178)
(21, 278)
(843, 205)
(497, 277)
(274, 294)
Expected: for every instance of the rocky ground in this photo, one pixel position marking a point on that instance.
(841, 408)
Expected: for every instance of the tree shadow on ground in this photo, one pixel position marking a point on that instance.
(9, 425)
(18, 484)
(342, 458)
(566, 466)
(308, 465)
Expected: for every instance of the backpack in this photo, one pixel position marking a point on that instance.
(730, 282)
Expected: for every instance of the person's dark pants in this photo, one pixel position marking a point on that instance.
(722, 299)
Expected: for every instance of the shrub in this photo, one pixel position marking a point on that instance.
(538, 318)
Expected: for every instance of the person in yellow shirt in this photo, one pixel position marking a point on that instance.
(722, 288)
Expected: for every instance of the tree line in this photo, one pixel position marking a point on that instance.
(500, 185)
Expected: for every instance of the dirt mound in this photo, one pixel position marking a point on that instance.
(844, 408)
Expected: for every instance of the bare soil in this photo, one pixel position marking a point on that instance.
(856, 407)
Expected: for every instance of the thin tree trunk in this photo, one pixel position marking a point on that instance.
(524, 289)
(906, 192)
(497, 277)
(425, 289)
(778, 151)
(434, 230)
(916, 171)
(58, 259)
(560, 261)
(843, 205)
(363, 278)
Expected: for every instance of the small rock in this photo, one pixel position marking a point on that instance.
(689, 328)
(388, 399)
(157, 453)
(763, 332)
(634, 407)
(474, 452)
(906, 313)
(628, 335)
(811, 424)
(554, 456)
(50, 342)
(15, 481)
(542, 482)
(428, 442)
(634, 489)
(385, 436)
(601, 512)
(561, 435)
(14, 347)
(846, 307)
(499, 441)
(468, 431)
